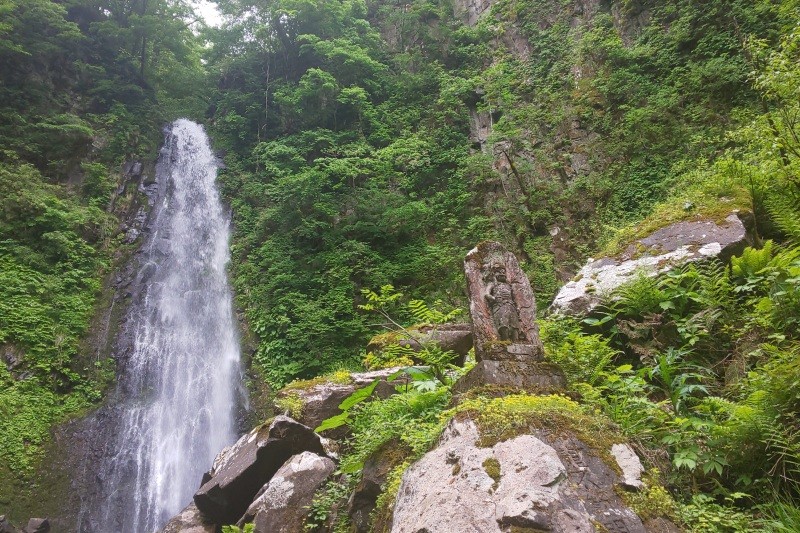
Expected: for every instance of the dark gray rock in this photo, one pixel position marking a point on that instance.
(241, 470)
(282, 504)
(373, 476)
(37, 525)
(5, 525)
(190, 520)
(667, 248)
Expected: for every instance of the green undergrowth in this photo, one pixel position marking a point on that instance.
(701, 367)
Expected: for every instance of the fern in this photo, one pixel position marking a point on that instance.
(422, 313)
(751, 261)
(785, 213)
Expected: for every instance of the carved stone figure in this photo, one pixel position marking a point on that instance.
(502, 305)
(508, 349)
(500, 295)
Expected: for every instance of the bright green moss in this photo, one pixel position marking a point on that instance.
(500, 419)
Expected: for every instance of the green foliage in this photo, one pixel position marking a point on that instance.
(411, 418)
(248, 528)
(703, 515)
(328, 505)
(583, 358)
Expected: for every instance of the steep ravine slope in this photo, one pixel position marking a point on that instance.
(372, 144)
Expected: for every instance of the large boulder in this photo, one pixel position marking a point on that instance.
(531, 482)
(456, 338)
(282, 504)
(241, 470)
(671, 246)
(190, 520)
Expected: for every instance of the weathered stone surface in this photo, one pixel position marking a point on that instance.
(502, 305)
(190, 520)
(532, 376)
(5, 525)
(630, 465)
(664, 249)
(373, 476)
(37, 525)
(282, 504)
(536, 481)
(241, 470)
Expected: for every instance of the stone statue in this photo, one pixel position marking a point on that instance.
(502, 307)
(500, 295)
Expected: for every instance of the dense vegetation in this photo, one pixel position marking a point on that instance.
(351, 162)
(354, 161)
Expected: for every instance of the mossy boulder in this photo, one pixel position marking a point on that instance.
(520, 463)
(312, 401)
(456, 338)
(665, 248)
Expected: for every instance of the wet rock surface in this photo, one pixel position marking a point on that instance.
(242, 469)
(535, 481)
(282, 504)
(671, 246)
(373, 476)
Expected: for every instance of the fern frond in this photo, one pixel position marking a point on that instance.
(785, 213)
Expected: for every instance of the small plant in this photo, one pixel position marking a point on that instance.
(328, 501)
(248, 528)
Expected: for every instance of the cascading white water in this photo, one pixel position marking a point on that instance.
(179, 387)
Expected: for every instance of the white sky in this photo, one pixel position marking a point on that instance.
(208, 11)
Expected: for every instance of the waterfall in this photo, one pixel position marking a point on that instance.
(178, 389)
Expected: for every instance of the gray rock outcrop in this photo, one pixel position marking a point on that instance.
(37, 525)
(535, 482)
(667, 248)
(630, 465)
(242, 469)
(282, 504)
(190, 520)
